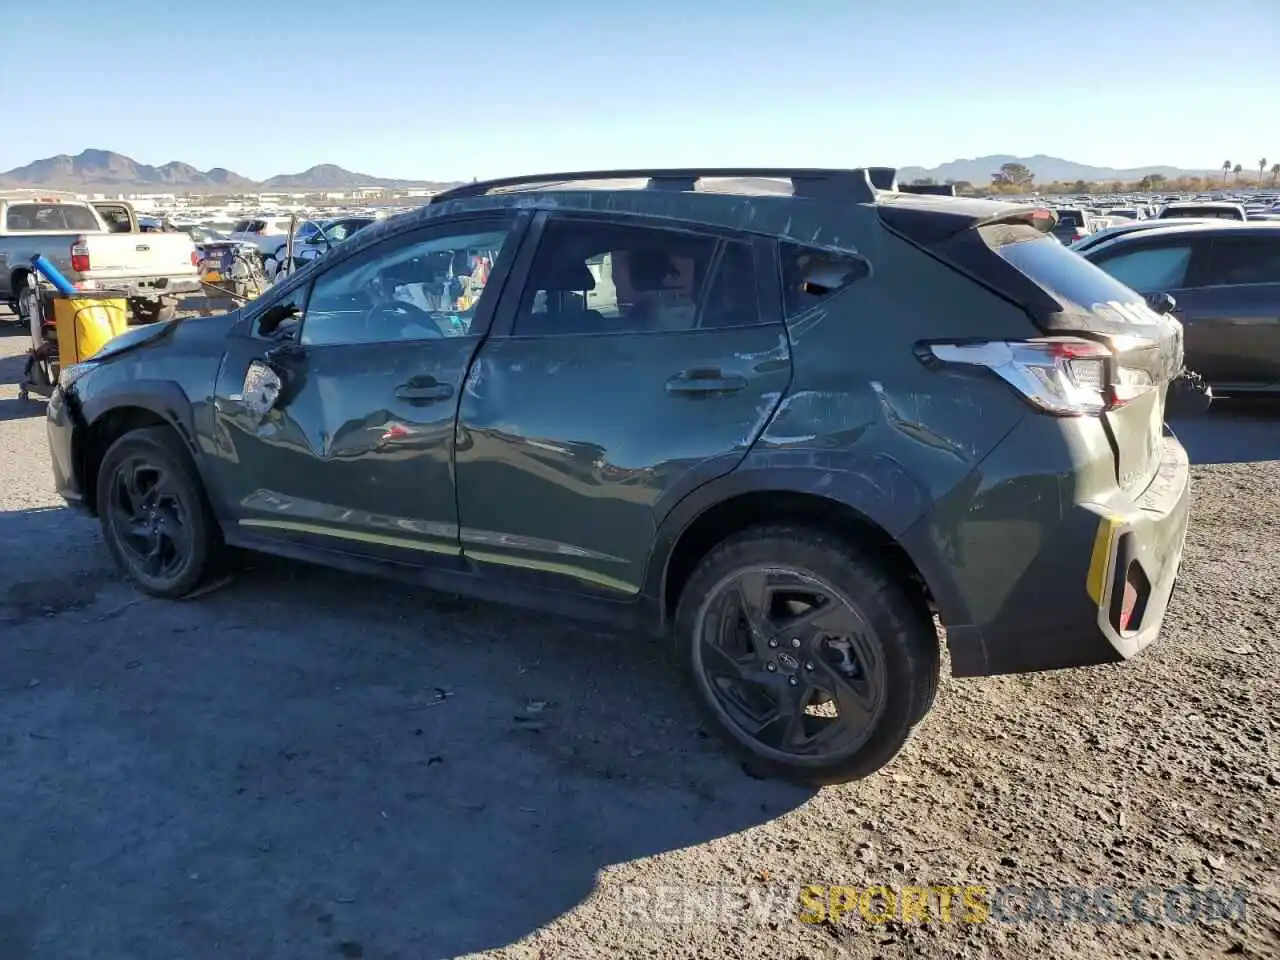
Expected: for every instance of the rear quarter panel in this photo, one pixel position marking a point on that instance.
(867, 412)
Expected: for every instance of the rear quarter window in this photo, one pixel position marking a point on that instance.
(811, 275)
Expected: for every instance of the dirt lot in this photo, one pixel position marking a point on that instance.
(304, 764)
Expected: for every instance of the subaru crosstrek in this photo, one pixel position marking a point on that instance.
(792, 419)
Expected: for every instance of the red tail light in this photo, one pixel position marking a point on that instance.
(195, 258)
(80, 255)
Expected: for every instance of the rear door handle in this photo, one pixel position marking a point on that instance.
(712, 380)
(424, 392)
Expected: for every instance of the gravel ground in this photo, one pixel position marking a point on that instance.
(305, 764)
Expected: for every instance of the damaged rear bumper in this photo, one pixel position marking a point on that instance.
(1089, 586)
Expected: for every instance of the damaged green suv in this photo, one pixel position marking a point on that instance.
(793, 419)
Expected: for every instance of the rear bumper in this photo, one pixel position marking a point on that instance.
(1056, 597)
(152, 286)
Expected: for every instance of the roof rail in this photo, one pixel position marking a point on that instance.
(857, 185)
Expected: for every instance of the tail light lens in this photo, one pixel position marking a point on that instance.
(1063, 376)
(195, 258)
(80, 255)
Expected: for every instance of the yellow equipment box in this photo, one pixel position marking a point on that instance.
(85, 323)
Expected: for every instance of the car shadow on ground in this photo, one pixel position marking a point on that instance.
(1234, 430)
(308, 763)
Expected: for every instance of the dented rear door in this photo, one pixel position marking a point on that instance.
(579, 423)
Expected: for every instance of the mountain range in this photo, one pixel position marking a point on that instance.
(102, 170)
(1047, 169)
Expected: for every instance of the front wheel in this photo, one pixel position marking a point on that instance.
(153, 513)
(810, 657)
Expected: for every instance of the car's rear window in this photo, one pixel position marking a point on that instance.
(50, 216)
(1066, 276)
(1070, 218)
(1212, 213)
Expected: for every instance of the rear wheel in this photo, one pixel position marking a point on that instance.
(153, 512)
(810, 657)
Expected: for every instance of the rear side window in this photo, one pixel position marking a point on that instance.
(811, 275)
(591, 277)
(1239, 260)
(116, 218)
(1151, 269)
(50, 216)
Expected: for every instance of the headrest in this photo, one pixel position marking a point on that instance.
(568, 276)
(648, 269)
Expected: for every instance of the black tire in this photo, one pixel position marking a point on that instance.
(894, 668)
(147, 311)
(170, 517)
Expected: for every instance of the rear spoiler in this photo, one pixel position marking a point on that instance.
(964, 234)
(922, 219)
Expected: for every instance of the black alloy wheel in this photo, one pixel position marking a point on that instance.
(792, 662)
(149, 518)
(154, 517)
(812, 654)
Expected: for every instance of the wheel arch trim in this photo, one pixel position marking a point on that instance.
(891, 508)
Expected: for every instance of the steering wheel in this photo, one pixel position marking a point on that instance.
(405, 313)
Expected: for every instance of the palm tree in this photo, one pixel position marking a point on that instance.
(1262, 165)
(1275, 173)
(1236, 172)
(1226, 168)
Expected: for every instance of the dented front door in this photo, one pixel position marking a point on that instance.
(355, 453)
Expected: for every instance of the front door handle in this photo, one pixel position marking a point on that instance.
(424, 392)
(708, 380)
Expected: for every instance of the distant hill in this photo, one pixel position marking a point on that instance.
(1046, 169)
(103, 170)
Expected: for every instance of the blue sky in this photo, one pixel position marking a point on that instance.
(432, 90)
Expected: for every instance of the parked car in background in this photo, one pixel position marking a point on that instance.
(269, 234)
(1074, 223)
(1108, 234)
(324, 236)
(1203, 210)
(1225, 281)
(681, 413)
(148, 269)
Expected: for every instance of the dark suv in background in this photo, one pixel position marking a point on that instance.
(1224, 278)
(786, 426)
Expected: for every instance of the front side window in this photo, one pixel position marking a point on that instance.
(593, 277)
(413, 287)
(1240, 260)
(1152, 269)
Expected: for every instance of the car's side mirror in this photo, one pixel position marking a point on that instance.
(1161, 303)
(274, 317)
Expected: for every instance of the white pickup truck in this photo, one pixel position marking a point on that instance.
(149, 269)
